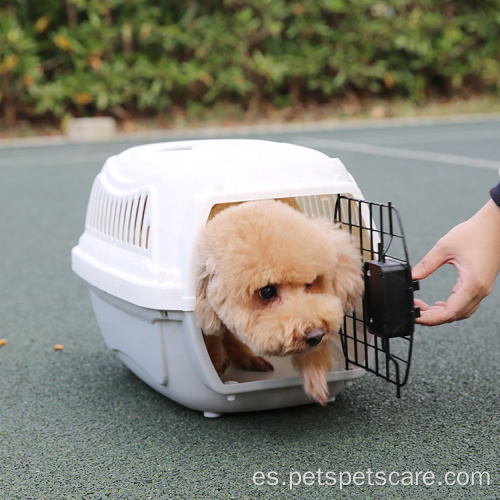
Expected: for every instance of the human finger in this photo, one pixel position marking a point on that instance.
(421, 304)
(433, 260)
(430, 315)
(457, 307)
(435, 315)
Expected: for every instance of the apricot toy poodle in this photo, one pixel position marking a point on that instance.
(275, 282)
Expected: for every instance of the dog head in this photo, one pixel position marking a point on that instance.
(279, 280)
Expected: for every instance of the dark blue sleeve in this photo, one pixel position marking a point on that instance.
(495, 194)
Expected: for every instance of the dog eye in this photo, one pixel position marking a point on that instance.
(268, 292)
(308, 285)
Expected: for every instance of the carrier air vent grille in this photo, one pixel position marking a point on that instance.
(323, 205)
(122, 218)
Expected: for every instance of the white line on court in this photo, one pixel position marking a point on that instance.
(407, 154)
(41, 158)
(434, 137)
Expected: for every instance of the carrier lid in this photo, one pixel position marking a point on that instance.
(149, 202)
(209, 158)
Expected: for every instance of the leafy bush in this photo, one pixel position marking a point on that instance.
(110, 56)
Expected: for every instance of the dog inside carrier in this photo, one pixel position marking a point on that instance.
(137, 256)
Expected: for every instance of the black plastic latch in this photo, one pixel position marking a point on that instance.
(389, 298)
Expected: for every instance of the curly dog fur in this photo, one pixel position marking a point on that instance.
(272, 281)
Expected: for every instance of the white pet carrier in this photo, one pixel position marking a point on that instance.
(138, 250)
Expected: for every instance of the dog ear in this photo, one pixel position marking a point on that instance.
(348, 282)
(205, 315)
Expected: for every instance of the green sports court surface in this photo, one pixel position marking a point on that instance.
(76, 423)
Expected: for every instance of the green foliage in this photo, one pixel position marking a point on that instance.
(121, 56)
(19, 66)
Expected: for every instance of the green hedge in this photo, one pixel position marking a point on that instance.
(126, 56)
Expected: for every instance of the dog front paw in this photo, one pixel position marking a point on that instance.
(255, 364)
(316, 386)
(242, 356)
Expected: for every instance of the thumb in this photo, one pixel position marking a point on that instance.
(434, 259)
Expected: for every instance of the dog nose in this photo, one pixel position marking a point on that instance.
(313, 337)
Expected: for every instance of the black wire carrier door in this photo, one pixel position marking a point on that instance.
(379, 338)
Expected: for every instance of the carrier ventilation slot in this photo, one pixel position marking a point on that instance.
(123, 219)
(322, 205)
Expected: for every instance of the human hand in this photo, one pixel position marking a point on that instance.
(473, 248)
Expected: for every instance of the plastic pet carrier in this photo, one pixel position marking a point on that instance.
(137, 256)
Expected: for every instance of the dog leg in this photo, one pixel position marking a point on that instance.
(314, 365)
(217, 353)
(241, 355)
